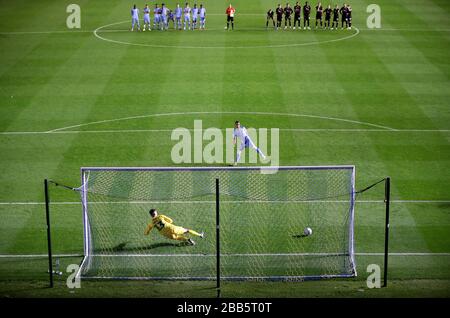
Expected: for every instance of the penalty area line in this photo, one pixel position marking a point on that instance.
(125, 131)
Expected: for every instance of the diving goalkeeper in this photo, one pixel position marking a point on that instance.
(166, 227)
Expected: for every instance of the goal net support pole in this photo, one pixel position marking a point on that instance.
(48, 203)
(218, 237)
(387, 199)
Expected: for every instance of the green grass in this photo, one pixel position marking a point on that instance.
(396, 77)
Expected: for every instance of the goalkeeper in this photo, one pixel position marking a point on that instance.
(166, 227)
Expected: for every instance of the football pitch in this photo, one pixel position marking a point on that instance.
(101, 95)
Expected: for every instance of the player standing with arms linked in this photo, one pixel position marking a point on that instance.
(335, 18)
(178, 14)
(319, 12)
(349, 17)
(230, 17)
(194, 16)
(297, 12)
(187, 16)
(328, 11)
(135, 18)
(343, 12)
(202, 17)
(164, 13)
(287, 16)
(279, 11)
(306, 14)
(156, 17)
(147, 21)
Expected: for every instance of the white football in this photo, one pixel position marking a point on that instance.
(307, 231)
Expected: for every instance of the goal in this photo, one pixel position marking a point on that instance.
(253, 223)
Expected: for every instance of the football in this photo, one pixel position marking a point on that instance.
(307, 231)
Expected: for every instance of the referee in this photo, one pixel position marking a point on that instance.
(230, 17)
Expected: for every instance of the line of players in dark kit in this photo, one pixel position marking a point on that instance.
(332, 16)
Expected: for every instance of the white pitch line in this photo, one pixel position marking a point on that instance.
(406, 30)
(43, 32)
(99, 30)
(272, 254)
(171, 130)
(37, 255)
(232, 202)
(119, 131)
(224, 255)
(403, 254)
(216, 14)
(223, 113)
(418, 201)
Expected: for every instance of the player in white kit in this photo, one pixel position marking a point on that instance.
(241, 133)
(135, 18)
(195, 12)
(202, 13)
(147, 22)
(187, 17)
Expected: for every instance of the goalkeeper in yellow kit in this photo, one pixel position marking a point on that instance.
(166, 227)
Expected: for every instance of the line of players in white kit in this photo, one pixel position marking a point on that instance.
(162, 16)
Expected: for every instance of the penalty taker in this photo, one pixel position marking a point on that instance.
(246, 142)
(190, 147)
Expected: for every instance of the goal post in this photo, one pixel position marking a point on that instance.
(262, 218)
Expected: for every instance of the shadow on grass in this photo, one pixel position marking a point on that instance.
(299, 236)
(122, 247)
(24, 288)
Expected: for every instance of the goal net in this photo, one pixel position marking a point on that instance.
(253, 225)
